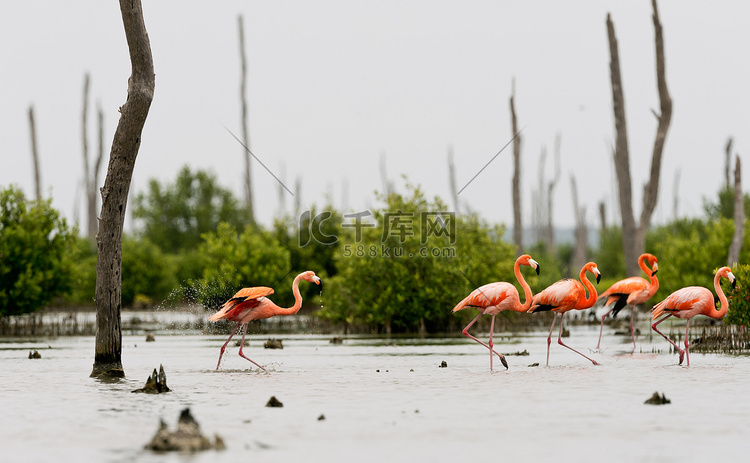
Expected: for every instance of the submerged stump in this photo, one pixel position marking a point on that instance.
(156, 383)
(187, 437)
(657, 399)
(273, 344)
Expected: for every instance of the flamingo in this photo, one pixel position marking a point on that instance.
(493, 298)
(688, 302)
(252, 304)
(631, 291)
(566, 295)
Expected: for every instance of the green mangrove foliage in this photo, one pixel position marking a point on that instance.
(35, 253)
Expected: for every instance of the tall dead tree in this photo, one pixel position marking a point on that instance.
(245, 131)
(91, 174)
(728, 162)
(517, 226)
(550, 235)
(452, 180)
(125, 145)
(739, 217)
(580, 251)
(634, 236)
(35, 155)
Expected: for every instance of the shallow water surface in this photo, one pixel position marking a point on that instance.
(383, 400)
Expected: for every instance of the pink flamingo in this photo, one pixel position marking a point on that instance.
(566, 295)
(631, 291)
(252, 304)
(493, 298)
(688, 302)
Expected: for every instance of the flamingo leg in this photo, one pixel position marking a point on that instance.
(653, 327)
(632, 332)
(549, 337)
(242, 343)
(601, 328)
(466, 333)
(225, 344)
(687, 344)
(502, 358)
(559, 341)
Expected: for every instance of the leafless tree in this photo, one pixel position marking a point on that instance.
(634, 237)
(452, 181)
(280, 189)
(245, 131)
(35, 155)
(550, 236)
(603, 216)
(580, 252)
(125, 146)
(728, 161)
(739, 216)
(91, 175)
(297, 197)
(517, 225)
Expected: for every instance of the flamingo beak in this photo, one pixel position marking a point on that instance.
(534, 264)
(598, 275)
(732, 278)
(655, 269)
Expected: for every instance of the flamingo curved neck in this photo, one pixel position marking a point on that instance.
(653, 285)
(724, 307)
(297, 299)
(591, 300)
(526, 289)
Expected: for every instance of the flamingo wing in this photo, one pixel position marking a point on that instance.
(489, 295)
(685, 302)
(246, 298)
(560, 294)
(631, 289)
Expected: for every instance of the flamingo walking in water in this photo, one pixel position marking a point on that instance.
(688, 302)
(566, 295)
(252, 304)
(631, 291)
(493, 298)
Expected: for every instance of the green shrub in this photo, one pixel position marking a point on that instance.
(35, 253)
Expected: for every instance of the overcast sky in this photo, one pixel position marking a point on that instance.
(334, 85)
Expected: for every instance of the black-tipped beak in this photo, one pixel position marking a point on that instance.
(654, 272)
(734, 284)
(598, 277)
(538, 268)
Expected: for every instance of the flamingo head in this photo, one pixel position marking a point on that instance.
(726, 272)
(527, 260)
(591, 267)
(651, 259)
(312, 278)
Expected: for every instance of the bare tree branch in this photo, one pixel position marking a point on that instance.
(651, 190)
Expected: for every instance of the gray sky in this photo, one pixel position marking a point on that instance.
(333, 84)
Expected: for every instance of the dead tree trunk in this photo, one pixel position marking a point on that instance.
(452, 181)
(634, 237)
(651, 190)
(728, 161)
(127, 141)
(551, 244)
(245, 131)
(35, 155)
(517, 226)
(580, 252)
(739, 217)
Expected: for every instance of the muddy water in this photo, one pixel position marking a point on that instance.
(383, 400)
